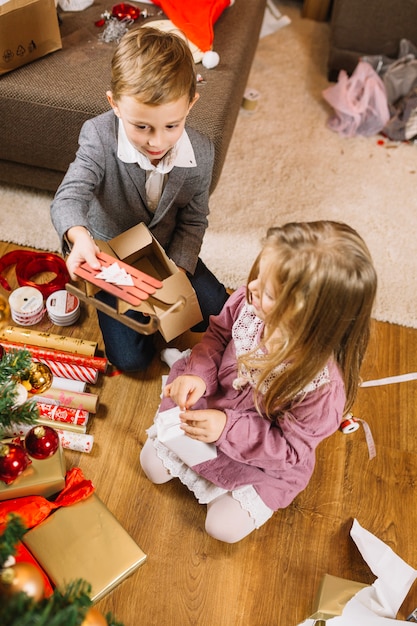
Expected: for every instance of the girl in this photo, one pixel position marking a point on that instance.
(273, 376)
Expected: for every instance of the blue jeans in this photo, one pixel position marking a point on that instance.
(131, 351)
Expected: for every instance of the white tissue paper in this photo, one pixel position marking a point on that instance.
(378, 604)
(74, 5)
(191, 451)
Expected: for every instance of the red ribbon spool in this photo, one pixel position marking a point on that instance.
(28, 264)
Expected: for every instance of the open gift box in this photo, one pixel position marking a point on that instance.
(160, 290)
(342, 602)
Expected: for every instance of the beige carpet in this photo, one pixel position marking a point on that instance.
(283, 164)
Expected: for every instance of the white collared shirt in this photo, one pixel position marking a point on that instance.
(180, 155)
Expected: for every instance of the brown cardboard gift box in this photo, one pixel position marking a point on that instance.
(172, 309)
(29, 30)
(44, 477)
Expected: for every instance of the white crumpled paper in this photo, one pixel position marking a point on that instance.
(378, 604)
(191, 451)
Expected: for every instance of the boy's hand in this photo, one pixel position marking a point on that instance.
(185, 391)
(84, 250)
(205, 425)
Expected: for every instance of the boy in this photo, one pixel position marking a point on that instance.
(138, 163)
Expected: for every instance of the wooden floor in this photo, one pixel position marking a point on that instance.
(270, 578)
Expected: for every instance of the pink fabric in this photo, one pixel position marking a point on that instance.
(277, 460)
(360, 102)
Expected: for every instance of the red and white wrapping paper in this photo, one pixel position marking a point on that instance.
(79, 442)
(71, 370)
(95, 362)
(75, 441)
(58, 413)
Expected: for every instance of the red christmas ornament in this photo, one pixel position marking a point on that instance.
(13, 461)
(42, 442)
(123, 10)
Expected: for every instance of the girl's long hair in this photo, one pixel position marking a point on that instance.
(325, 286)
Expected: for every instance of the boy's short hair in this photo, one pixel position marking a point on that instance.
(154, 66)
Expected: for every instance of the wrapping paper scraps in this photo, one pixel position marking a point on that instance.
(377, 604)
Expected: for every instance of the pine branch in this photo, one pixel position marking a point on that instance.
(11, 536)
(15, 363)
(15, 366)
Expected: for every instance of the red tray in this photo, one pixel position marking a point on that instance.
(143, 284)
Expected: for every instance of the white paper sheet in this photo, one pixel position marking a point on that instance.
(191, 451)
(378, 604)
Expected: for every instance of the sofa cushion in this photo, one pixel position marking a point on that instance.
(369, 27)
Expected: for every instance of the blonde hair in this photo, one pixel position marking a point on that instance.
(153, 66)
(325, 285)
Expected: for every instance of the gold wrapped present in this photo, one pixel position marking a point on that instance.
(332, 596)
(44, 477)
(85, 541)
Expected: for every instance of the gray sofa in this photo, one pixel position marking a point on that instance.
(43, 104)
(368, 27)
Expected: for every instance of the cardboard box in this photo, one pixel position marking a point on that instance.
(172, 308)
(44, 477)
(29, 30)
(85, 541)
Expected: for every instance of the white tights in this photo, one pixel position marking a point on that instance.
(225, 519)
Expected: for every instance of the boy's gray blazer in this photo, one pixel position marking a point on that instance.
(107, 196)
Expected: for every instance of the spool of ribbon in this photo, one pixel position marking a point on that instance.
(29, 264)
(350, 424)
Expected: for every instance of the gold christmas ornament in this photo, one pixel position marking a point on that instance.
(22, 577)
(93, 617)
(40, 377)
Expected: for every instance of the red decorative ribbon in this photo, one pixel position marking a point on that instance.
(28, 264)
(34, 509)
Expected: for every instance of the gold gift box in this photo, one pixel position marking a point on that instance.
(85, 541)
(41, 478)
(332, 596)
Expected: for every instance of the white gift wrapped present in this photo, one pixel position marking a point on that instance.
(191, 451)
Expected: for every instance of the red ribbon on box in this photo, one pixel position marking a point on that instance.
(34, 509)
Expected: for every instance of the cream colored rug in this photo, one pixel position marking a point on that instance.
(283, 164)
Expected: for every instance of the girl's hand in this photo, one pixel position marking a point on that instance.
(205, 425)
(84, 249)
(185, 390)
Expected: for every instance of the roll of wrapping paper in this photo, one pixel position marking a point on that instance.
(70, 370)
(19, 430)
(68, 384)
(96, 362)
(74, 441)
(63, 414)
(48, 340)
(72, 428)
(62, 397)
